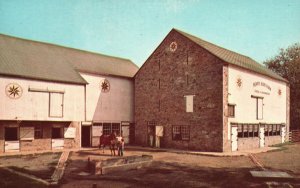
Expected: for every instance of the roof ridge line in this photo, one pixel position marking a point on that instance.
(213, 43)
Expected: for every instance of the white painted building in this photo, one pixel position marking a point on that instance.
(55, 97)
(260, 106)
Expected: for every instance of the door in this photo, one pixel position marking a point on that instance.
(11, 139)
(159, 131)
(151, 131)
(283, 133)
(125, 134)
(234, 138)
(86, 136)
(57, 141)
(261, 137)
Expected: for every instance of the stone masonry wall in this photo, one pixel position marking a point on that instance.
(248, 143)
(271, 140)
(37, 144)
(73, 142)
(43, 143)
(226, 138)
(163, 81)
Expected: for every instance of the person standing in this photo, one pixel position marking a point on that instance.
(121, 148)
(119, 138)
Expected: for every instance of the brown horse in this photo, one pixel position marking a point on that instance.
(108, 140)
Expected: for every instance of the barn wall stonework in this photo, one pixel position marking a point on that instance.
(37, 144)
(163, 81)
(248, 143)
(1, 138)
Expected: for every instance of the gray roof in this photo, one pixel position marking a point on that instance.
(233, 57)
(43, 61)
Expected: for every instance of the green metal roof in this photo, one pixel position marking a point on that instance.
(233, 57)
(43, 61)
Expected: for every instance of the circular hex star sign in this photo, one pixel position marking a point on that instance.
(105, 86)
(173, 46)
(239, 82)
(13, 91)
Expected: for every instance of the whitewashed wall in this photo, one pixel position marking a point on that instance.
(113, 106)
(35, 105)
(274, 105)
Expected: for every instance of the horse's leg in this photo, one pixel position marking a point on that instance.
(114, 150)
(111, 151)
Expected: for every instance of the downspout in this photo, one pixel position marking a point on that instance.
(84, 102)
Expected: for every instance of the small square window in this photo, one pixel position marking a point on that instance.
(106, 128)
(189, 103)
(231, 110)
(38, 132)
(181, 132)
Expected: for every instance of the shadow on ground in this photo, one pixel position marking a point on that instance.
(163, 174)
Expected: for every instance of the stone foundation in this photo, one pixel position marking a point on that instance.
(44, 143)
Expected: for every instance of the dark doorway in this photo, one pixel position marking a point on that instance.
(86, 136)
(151, 135)
(11, 133)
(57, 132)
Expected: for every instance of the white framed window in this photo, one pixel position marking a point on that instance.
(259, 107)
(189, 103)
(181, 132)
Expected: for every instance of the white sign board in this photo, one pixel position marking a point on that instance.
(70, 132)
(96, 130)
(26, 133)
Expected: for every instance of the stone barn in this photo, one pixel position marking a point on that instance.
(194, 95)
(54, 97)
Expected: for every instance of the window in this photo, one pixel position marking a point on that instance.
(115, 128)
(158, 83)
(189, 106)
(38, 132)
(231, 110)
(109, 128)
(11, 133)
(272, 129)
(181, 132)
(259, 107)
(106, 128)
(55, 105)
(247, 130)
(187, 79)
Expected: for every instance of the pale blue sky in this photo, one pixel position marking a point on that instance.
(134, 28)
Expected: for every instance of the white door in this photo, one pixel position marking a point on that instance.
(234, 139)
(11, 146)
(125, 134)
(159, 132)
(261, 137)
(283, 133)
(58, 143)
